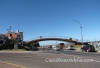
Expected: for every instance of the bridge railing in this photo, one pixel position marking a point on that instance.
(54, 37)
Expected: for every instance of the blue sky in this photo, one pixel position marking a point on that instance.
(44, 17)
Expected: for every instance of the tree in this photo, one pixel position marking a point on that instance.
(76, 40)
(70, 39)
(10, 43)
(27, 48)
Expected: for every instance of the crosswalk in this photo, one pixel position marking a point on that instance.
(48, 50)
(44, 50)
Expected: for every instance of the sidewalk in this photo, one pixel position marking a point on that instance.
(77, 49)
(16, 51)
(13, 50)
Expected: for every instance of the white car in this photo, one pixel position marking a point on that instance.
(56, 48)
(70, 47)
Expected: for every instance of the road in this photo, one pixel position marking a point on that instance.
(74, 53)
(38, 59)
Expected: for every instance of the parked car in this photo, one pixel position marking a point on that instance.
(71, 47)
(56, 48)
(88, 48)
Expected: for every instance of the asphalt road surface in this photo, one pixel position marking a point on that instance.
(40, 59)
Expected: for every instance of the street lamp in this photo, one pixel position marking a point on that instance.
(55, 37)
(80, 28)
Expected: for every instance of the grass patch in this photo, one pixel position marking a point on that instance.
(77, 46)
(19, 50)
(98, 52)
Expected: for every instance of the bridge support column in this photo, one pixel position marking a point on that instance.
(34, 46)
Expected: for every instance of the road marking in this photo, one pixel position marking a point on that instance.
(44, 50)
(13, 64)
(41, 51)
(70, 55)
(96, 60)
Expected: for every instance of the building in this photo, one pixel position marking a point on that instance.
(17, 36)
(12, 35)
(21, 35)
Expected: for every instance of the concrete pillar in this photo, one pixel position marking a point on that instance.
(15, 46)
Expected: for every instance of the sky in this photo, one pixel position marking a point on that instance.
(51, 17)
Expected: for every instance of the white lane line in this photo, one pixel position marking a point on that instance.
(70, 55)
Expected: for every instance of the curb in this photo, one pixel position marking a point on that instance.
(13, 64)
(16, 51)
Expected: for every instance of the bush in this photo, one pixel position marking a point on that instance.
(27, 48)
(35, 44)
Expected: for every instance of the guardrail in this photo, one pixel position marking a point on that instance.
(53, 37)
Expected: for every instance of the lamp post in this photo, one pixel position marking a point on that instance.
(55, 37)
(80, 28)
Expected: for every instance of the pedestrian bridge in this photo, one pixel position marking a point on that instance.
(60, 38)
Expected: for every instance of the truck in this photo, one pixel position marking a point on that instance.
(61, 45)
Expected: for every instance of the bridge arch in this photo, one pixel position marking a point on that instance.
(52, 38)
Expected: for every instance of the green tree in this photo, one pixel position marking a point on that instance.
(10, 43)
(76, 40)
(70, 39)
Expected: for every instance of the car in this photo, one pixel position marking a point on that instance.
(71, 47)
(88, 48)
(56, 48)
